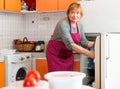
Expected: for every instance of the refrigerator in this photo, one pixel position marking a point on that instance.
(103, 16)
(107, 61)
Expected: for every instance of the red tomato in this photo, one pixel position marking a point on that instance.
(29, 82)
(35, 74)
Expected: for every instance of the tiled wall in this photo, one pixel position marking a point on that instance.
(11, 27)
(41, 26)
(36, 26)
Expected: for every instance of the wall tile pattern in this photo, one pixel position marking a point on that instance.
(41, 26)
(11, 27)
(35, 26)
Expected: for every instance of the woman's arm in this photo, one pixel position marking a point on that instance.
(82, 50)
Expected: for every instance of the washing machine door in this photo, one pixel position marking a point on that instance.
(21, 73)
(18, 73)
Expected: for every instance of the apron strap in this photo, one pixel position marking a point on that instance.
(71, 26)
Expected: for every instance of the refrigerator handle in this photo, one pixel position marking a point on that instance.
(107, 52)
(107, 47)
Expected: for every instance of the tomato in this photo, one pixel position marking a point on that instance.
(35, 74)
(29, 82)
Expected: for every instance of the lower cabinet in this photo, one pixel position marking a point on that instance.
(76, 66)
(2, 74)
(42, 67)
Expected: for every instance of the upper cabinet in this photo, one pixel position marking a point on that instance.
(11, 5)
(53, 5)
(63, 4)
(35, 5)
(1, 4)
(46, 5)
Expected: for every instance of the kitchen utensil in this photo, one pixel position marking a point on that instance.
(65, 79)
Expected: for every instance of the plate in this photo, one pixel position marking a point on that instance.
(19, 85)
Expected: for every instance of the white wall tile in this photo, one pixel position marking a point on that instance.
(11, 27)
(43, 26)
(36, 26)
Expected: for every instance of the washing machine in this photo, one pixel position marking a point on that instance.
(17, 66)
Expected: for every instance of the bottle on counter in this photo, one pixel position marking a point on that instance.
(40, 45)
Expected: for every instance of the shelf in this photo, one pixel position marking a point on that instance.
(28, 12)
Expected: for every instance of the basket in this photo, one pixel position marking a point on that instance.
(25, 46)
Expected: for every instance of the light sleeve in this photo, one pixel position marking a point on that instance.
(65, 34)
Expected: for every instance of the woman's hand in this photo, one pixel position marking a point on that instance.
(91, 44)
(92, 55)
(79, 49)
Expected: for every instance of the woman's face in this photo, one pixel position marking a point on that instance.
(74, 15)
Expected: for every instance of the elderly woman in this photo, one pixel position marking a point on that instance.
(68, 36)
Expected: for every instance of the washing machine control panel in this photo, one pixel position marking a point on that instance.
(25, 58)
(22, 57)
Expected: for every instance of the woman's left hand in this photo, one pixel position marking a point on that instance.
(91, 44)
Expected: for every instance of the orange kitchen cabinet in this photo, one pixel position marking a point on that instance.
(10, 5)
(2, 74)
(63, 4)
(76, 66)
(13, 5)
(1, 4)
(53, 5)
(42, 67)
(46, 5)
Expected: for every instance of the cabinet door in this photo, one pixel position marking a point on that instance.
(46, 5)
(42, 67)
(1, 4)
(76, 66)
(2, 74)
(13, 5)
(63, 4)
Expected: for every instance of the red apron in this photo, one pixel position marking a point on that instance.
(59, 58)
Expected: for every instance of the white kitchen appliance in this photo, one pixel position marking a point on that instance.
(107, 60)
(103, 16)
(17, 66)
(110, 61)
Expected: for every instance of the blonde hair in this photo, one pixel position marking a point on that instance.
(73, 6)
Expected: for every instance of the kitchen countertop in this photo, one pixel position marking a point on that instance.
(42, 55)
(83, 87)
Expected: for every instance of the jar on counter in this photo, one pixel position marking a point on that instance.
(40, 46)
